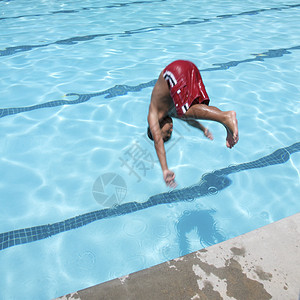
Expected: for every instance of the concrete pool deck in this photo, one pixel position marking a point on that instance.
(262, 264)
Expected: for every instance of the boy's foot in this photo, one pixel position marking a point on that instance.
(232, 129)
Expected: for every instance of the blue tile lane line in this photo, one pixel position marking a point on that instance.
(191, 21)
(119, 5)
(74, 11)
(120, 90)
(210, 184)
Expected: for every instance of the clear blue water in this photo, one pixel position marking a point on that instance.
(81, 193)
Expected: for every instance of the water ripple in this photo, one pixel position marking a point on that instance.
(120, 90)
(217, 179)
(73, 11)
(192, 21)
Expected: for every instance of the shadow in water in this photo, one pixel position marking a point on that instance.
(202, 221)
(210, 184)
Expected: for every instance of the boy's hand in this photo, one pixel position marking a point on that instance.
(169, 178)
(208, 134)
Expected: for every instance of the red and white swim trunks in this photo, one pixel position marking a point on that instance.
(186, 85)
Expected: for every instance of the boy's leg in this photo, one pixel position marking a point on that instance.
(226, 118)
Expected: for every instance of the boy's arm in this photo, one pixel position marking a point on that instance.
(168, 175)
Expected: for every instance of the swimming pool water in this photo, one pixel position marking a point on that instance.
(82, 196)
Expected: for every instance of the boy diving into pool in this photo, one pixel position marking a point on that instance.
(179, 92)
